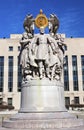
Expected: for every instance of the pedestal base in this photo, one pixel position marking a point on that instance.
(38, 121)
(74, 128)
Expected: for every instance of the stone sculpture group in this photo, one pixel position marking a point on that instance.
(41, 54)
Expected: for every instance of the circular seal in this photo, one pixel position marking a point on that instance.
(41, 20)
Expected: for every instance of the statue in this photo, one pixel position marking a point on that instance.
(40, 50)
(42, 54)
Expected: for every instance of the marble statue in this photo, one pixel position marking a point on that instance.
(42, 54)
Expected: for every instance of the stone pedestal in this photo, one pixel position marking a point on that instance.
(42, 96)
(42, 107)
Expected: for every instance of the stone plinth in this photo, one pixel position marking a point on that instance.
(38, 121)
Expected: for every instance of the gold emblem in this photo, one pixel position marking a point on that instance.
(41, 20)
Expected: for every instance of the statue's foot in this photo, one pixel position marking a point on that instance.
(41, 76)
(49, 77)
(57, 77)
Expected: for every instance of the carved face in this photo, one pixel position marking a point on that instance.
(42, 30)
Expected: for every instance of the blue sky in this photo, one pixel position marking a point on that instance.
(69, 12)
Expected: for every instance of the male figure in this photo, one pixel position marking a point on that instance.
(24, 58)
(40, 49)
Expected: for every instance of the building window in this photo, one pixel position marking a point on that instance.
(83, 99)
(1, 101)
(65, 48)
(67, 102)
(10, 73)
(75, 73)
(1, 73)
(19, 76)
(66, 75)
(76, 100)
(10, 101)
(19, 48)
(82, 67)
(10, 48)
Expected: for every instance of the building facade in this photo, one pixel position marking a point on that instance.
(10, 72)
(74, 71)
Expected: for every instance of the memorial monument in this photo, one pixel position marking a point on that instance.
(42, 92)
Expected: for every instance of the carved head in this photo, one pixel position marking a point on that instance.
(42, 31)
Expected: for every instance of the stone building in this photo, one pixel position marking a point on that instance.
(10, 72)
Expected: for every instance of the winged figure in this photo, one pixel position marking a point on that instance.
(53, 24)
(29, 24)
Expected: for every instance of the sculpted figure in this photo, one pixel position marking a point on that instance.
(62, 46)
(60, 55)
(29, 24)
(25, 44)
(53, 24)
(24, 54)
(40, 50)
(45, 51)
